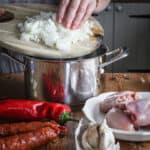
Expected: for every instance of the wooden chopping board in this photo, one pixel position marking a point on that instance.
(9, 34)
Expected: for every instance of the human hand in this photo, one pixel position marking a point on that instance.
(2, 11)
(72, 13)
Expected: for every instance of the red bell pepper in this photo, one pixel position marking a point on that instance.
(27, 110)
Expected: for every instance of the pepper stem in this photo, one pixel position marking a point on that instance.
(66, 117)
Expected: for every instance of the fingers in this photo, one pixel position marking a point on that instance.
(80, 14)
(71, 13)
(62, 9)
(88, 13)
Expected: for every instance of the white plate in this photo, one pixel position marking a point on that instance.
(83, 122)
(92, 112)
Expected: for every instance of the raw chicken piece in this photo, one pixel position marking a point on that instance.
(139, 112)
(118, 99)
(118, 119)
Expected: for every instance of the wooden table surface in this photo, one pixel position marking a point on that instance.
(12, 85)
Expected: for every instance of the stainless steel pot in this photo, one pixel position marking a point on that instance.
(69, 81)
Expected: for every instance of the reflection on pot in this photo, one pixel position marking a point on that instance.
(70, 81)
(54, 86)
(83, 79)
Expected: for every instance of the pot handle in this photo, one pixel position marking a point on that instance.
(122, 53)
(5, 53)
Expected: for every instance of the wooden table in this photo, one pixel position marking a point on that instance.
(12, 85)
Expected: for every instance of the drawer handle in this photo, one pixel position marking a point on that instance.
(145, 16)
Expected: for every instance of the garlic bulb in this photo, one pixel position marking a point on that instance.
(95, 137)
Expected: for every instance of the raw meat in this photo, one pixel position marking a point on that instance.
(139, 112)
(118, 119)
(119, 99)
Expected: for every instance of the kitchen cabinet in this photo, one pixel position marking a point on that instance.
(106, 19)
(128, 24)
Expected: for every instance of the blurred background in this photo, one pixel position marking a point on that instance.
(128, 24)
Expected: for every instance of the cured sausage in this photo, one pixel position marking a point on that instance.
(22, 127)
(28, 141)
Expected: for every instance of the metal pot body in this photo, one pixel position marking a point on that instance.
(70, 82)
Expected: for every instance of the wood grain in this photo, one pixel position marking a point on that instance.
(13, 86)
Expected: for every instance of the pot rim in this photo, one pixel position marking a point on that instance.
(98, 52)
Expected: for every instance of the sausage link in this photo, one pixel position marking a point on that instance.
(28, 141)
(22, 127)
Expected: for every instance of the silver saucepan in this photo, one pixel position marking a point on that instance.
(69, 81)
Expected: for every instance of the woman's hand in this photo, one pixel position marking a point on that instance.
(2, 11)
(72, 13)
